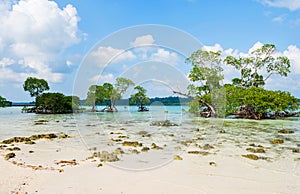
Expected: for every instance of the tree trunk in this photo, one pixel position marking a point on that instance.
(209, 106)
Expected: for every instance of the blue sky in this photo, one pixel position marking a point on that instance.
(55, 39)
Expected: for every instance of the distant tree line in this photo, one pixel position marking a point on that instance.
(4, 102)
(49, 103)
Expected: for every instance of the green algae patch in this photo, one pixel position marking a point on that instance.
(63, 136)
(277, 141)
(9, 156)
(145, 149)
(123, 137)
(134, 151)
(118, 151)
(30, 140)
(296, 150)
(251, 156)
(285, 131)
(155, 147)
(105, 156)
(208, 147)
(165, 123)
(144, 134)
(198, 152)
(258, 150)
(117, 140)
(132, 144)
(13, 149)
(177, 157)
(212, 164)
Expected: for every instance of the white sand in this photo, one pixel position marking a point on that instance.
(191, 175)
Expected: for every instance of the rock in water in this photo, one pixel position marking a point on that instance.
(285, 131)
(277, 141)
(105, 156)
(9, 156)
(177, 157)
(132, 143)
(251, 156)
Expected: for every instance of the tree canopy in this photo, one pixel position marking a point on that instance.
(140, 98)
(54, 103)
(258, 103)
(98, 93)
(257, 68)
(206, 75)
(245, 97)
(4, 102)
(35, 86)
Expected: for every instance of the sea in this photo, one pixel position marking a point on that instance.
(102, 131)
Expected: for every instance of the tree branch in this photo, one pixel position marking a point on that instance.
(212, 109)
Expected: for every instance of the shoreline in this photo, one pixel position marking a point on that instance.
(140, 156)
(223, 171)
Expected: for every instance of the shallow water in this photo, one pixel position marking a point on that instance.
(103, 131)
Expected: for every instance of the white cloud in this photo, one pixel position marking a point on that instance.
(98, 79)
(6, 62)
(289, 4)
(165, 56)
(280, 18)
(218, 47)
(143, 44)
(214, 48)
(69, 63)
(256, 46)
(105, 55)
(293, 53)
(145, 40)
(34, 33)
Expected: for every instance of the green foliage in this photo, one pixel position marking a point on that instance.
(4, 102)
(194, 107)
(206, 75)
(245, 95)
(257, 102)
(97, 94)
(120, 87)
(256, 69)
(139, 98)
(56, 103)
(35, 86)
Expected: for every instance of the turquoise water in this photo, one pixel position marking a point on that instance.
(102, 131)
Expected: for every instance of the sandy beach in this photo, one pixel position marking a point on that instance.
(105, 153)
(49, 169)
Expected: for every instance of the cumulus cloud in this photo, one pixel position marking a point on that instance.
(292, 5)
(165, 56)
(279, 19)
(256, 46)
(33, 34)
(6, 62)
(143, 40)
(214, 48)
(143, 44)
(293, 53)
(105, 55)
(109, 78)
